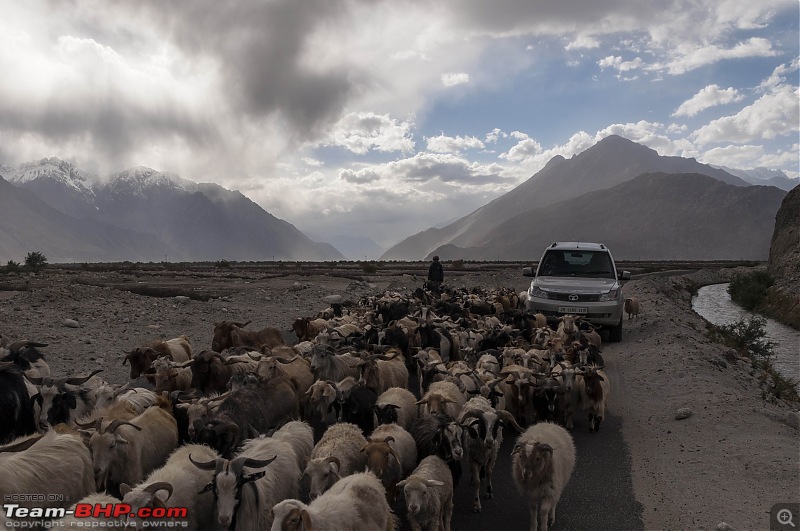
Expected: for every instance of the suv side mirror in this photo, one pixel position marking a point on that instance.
(625, 275)
(527, 272)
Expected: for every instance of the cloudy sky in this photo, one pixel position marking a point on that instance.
(382, 118)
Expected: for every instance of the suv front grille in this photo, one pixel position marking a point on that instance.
(582, 297)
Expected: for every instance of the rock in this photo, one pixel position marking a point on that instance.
(332, 299)
(683, 413)
(71, 323)
(724, 526)
(793, 419)
(731, 355)
(182, 299)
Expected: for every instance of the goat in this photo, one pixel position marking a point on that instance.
(62, 404)
(232, 334)
(356, 503)
(483, 424)
(439, 338)
(336, 455)
(380, 372)
(307, 329)
(440, 435)
(542, 463)
(358, 407)
(248, 412)
(283, 455)
(596, 389)
(211, 370)
(178, 349)
(429, 495)
(297, 369)
(327, 365)
(176, 484)
(391, 455)
(18, 418)
(26, 356)
(55, 464)
(170, 376)
(124, 451)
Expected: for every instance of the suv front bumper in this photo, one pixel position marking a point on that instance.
(598, 313)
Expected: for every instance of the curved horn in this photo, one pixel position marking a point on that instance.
(334, 459)
(470, 414)
(388, 439)
(257, 463)
(119, 422)
(89, 425)
(35, 380)
(240, 325)
(160, 485)
(509, 419)
(16, 345)
(254, 358)
(78, 380)
(286, 362)
(22, 445)
(207, 465)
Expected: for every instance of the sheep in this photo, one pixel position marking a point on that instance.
(336, 455)
(178, 349)
(171, 376)
(15, 402)
(55, 464)
(284, 455)
(483, 424)
(596, 390)
(356, 503)
(541, 463)
(124, 451)
(176, 484)
(442, 396)
(429, 495)
(327, 365)
(391, 455)
(396, 405)
(248, 412)
(632, 307)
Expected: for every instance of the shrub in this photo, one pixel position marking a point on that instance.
(458, 265)
(369, 268)
(746, 336)
(12, 267)
(35, 261)
(222, 264)
(751, 289)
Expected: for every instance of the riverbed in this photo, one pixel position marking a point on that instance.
(714, 304)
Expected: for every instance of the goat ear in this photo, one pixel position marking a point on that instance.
(306, 519)
(401, 484)
(124, 489)
(255, 477)
(207, 488)
(121, 440)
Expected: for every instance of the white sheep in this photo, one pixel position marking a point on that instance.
(336, 455)
(632, 307)
(355, 503)
(396, 405)
(542, 463)
(176, 484)
(429, 495)
(442, 396)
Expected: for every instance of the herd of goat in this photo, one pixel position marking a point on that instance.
(379, 399)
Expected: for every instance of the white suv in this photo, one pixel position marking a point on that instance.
(578, 278)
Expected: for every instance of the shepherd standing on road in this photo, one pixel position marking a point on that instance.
(436, 272)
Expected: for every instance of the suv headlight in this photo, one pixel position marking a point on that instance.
(610, 296)
(537, 292)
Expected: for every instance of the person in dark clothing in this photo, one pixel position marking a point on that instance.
(435, 272)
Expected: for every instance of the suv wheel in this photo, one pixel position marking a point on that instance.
(615, 332)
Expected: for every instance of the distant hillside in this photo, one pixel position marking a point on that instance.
(612, 161)
(654, 216)
(764, 177)
(784, 253)
(185, 221)
(29, 224)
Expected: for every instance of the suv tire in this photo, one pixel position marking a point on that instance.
(615, 333)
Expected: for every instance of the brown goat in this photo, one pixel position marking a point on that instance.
(232, 334)
(178, 349)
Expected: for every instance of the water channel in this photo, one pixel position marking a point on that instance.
(714, 304)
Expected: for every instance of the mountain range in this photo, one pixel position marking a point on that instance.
(138, 214)
(651, 206)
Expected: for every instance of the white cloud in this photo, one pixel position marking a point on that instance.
(526, 149)
(494, 135)
(453, 79)
(690, 56)
(362, 176)
(364, 131)
(778, 76)
(583, 41)
(310, 161)
(618, 64)
(707, 97)
(772, 115)
(453, 144)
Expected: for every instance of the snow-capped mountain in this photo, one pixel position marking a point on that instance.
(194, 221)
(764, 177)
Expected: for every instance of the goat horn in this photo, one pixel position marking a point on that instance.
(334, 459)
(469, 414)
(204, 465)
(257, 463)
(119, 422)
(509, 419)
(35, 380)
(21, 446)
(286, 362)
(160, 485)
(78, 380)
(89, 425)
(254, 358)
(242, 325)
(388, 439)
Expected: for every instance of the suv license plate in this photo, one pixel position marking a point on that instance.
(572, 309)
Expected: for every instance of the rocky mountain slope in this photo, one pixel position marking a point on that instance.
(612, 161)
(654, 216)
(185, 221)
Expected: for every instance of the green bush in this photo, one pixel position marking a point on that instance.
(746, 336)
(751, 289)
(35, 261)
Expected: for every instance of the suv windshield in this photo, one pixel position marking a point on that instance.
(575, 263)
